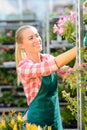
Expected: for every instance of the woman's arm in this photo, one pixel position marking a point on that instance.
(28, 69)
(66, 57)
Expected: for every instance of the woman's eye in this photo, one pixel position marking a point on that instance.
(30, 38)
(37, 35)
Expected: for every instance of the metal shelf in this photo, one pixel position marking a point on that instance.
(7, 46)
(5, 86)
(18, 109)
(8, 65)
(14, 24)
(63, 104)
(18, 20)
(56, 44)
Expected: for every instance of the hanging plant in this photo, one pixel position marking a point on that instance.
(66, 24)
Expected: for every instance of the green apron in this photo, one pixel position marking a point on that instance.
(44, 109)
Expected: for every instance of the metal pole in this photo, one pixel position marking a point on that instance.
(47, 34)
(20, 9)
(79, 40)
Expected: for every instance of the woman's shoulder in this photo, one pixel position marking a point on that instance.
(46, 56)
(24, 60)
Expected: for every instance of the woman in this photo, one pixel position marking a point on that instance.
(37, 72)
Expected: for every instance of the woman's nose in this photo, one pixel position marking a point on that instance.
(37, 39)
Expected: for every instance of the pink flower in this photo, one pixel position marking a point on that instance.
(65, 18)
(55, 28)
(73, 16)
(60, 22)
(73, 13)
(83, 65)
(9, 34)
(65, 26)
(61, 30)
(70, 71)
(74, 19)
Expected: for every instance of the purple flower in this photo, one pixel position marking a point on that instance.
(80, 71)
(84, 85)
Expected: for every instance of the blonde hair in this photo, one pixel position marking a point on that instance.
(18, 40)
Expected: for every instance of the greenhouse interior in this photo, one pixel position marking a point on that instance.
(47, 90)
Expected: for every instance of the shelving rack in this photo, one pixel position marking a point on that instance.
(13, 25)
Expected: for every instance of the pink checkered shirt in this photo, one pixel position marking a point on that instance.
(31, 73)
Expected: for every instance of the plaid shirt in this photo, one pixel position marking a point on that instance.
(31, 73)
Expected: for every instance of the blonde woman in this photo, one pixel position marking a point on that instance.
(37, 73)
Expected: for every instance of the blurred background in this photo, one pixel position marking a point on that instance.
(17, 8)
(43, 14)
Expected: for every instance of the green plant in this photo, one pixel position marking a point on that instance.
(72, 106)
(85, 12)
(67, 116)
(72, 78)
(8, 56)
(12, 98)
(11, 79)
(7, 36)
(52, 35)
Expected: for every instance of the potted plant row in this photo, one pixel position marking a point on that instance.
(7, 56)
(15, 121)
(8, 76)
(7, 37)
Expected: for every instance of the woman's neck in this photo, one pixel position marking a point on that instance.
(35, 57)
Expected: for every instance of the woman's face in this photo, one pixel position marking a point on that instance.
(32, 42)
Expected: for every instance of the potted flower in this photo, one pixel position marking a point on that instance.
(66, 24)
(7, 38)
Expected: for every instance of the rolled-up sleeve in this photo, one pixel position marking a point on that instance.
(28, 69)
(63, 71)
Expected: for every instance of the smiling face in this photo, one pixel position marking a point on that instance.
(31, 41)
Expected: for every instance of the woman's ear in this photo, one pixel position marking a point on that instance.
(21, 46)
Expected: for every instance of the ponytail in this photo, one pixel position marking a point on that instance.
(18, 58)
